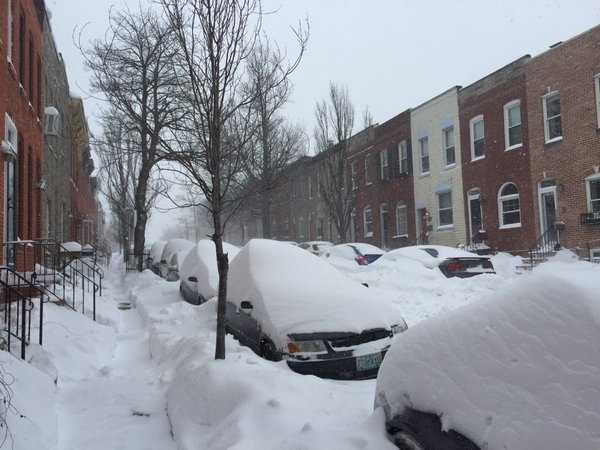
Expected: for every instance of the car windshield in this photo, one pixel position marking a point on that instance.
(431, 251)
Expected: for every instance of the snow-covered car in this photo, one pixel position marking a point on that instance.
(518, 371)
(316, 247)
(156, 251)
(357, 252)
(173, 254)
(285, 303)
(451, 262)
(198, 271)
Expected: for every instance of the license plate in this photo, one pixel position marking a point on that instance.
(368, 362)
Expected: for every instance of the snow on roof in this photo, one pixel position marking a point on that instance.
(429, 255)
(366, 249)
(294, 291)
(520, 370)
(156, 250)
(174, 246)
(201, 262)
(71, 247)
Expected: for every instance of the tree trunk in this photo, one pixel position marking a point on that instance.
(139, 234)
(223, 269)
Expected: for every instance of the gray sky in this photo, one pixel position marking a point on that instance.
(392, 54)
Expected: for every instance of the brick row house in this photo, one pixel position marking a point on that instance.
(506, 163)
(35, 114)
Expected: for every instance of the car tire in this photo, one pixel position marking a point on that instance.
(406, 441)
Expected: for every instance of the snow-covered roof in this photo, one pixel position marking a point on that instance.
(201, 262)
(294, 291)
(156, 250)
(72, 247)
(174, 246)
(429, 255)
(519, 371)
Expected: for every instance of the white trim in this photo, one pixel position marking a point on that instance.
(472, 123)
(500, 199)
(588, 190)
(507, 107)
(400, 206)
(541, 191)
(597, 89)
(439, 210)
(445, 227)
(403, 151)
(545, 98)
(473, 194)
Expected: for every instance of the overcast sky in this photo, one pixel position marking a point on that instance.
(392, 54)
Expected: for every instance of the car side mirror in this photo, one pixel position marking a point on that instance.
(192, 279)
(246, 305)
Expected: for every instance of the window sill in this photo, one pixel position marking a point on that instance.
(478, 158)
(508, 227)
(369, 235)
(368, 183)
(554, 141)
(426, 174)
(513, 147)
(445, 228)
(400, 236)
(450, 167)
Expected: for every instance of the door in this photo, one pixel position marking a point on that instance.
(11, 208)
(383, 224)
(475, 222)
(548, 216)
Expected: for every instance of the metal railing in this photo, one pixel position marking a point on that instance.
(546, 245)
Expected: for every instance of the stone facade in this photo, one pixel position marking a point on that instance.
(505, 159)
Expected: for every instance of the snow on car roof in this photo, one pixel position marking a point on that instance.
(201, 262)
(293, 291)
(428, 254)
(366, 249)
(520, 370)
(156, 250)
(174, 246)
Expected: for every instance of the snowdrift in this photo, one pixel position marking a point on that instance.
(156, 251)
(175, 251)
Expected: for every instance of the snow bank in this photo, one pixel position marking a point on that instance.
(201, 262)
(419, 253)
(518, 371)
(293, 291)
(156, 251)
(71, 247)
(174, 250)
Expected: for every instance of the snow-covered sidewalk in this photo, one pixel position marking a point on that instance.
(122, 405)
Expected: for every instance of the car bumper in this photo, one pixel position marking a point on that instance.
(336, 369)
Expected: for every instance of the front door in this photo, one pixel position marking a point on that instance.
(11, 208)
(475, 222)
(548, 212)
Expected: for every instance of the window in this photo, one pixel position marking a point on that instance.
(477, 138)
(383, 223)
(9, 31)
(367, 170)
(593, 191)
(401, 220)
(597, 88)
(552, 120)
(384, 172)
(10, 135)
(353, 180)
(403, 156)
(513, 136)
(509, 206)
(475, 214)
(368, 222)
(446, 218)
(353, 226)
(449, 151)
(424, 153)
(310, 192)
(52, 124)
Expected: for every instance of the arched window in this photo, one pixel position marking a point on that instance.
(509, 206)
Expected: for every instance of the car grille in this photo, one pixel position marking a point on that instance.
(357, 339)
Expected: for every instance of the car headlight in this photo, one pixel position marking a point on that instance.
(399, 327)
(306, 347)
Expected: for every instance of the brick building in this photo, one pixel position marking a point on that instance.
(495, 160)
(563, 109)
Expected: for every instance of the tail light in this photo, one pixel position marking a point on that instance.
(362, 260)
(487, 264)
(454, 267)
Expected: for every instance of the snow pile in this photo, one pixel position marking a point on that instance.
(245, 402)
(519, 371)
(176, 250)
(201, 262)
(293, 291)
(156, 251)
(71, 247)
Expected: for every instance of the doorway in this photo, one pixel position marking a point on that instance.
(548, 210)
(475, 215)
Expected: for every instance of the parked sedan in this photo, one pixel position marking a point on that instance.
(316, 247)
(173, 254)
(361, 254)
(285, 303)
(519, 371)
(199, 274)
(452, 262)
(156, 251)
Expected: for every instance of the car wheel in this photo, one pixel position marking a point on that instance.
(406, 441)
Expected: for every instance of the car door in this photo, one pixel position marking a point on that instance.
(251, 329)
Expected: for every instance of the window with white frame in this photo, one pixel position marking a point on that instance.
(477, 138)
(9, 32)
(593, 191)
(552, 118)
(513, 135)
(353, 179)
(401, 220)
(424, 154)
(509, 206)
(368, 221)
(10, 134)
(367, 169)
(597, 89)
(403, 156)
(449, 149)
(445, 215)
(384, 168)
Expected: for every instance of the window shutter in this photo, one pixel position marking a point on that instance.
(394, 161)
(378, 165)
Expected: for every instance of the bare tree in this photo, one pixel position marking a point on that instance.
(277, 142)
(216, 38)
(333, 132)
(132, 68)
